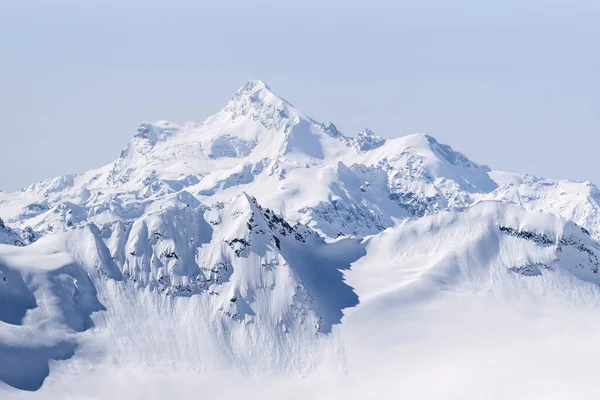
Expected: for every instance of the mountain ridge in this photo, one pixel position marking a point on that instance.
(259, 136)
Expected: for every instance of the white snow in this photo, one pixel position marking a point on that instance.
(264, 254)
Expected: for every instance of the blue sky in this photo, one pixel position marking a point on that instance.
(513, 84)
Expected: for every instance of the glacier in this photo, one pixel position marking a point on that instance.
(264, 247)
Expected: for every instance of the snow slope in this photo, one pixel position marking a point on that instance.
(489, 246)
(576, 201)
(260, 286)
(490, 301)
(45, 299)
(262, 245)
(454, 297)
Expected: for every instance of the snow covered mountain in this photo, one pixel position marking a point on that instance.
(259, 143)
(258, 240)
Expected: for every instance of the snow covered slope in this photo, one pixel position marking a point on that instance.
(471, 271)
(263, 287)
(264, 243)
(491, 301)
(486, 246)
(45, 298)
(576, 201)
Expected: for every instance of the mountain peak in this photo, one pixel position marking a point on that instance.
(454, 157)
(367, 140)
(254, 86)
(255, 92)
(256, 101)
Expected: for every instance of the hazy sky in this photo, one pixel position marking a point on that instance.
(513, 84)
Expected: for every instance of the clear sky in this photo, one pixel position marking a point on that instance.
(513, 84)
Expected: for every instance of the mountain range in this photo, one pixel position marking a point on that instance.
(262, 243)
